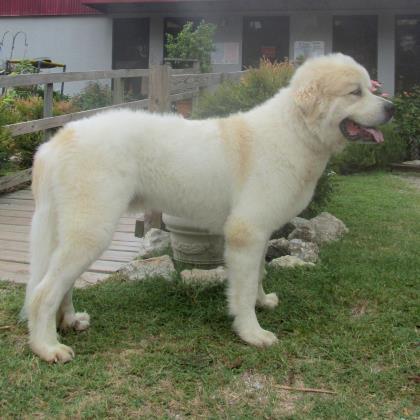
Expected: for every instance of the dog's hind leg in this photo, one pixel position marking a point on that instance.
(68, 318)
(83, 237)
(245, 245)
(264, 300)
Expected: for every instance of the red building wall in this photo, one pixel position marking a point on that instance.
(44, 8)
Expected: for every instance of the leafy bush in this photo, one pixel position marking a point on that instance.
(363, 157)
(407, 119)
(193, 43)
(255, 87)
(18, 152)
(94, 95)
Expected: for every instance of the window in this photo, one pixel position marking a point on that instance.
(357, 36)
(265, 37)
(407, 52)
(130, 43)
(130, 50)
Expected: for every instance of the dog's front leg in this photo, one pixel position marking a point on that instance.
(245, 246)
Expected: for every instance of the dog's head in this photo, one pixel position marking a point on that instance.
(334, 96)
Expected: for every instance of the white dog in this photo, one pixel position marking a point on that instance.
(243, 176)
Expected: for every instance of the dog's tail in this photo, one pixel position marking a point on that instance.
(44, 235)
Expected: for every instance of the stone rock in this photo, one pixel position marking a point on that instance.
(304, 231)
(151, 267)
(306, 251)
(216, 275)
(289, 261)
(327, 228)
(288, 228)
(154, 242)
(277, 248)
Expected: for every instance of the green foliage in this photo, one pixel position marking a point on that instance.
(255, 87)
(18, 152)
(94, 95)
(193, 43)
(407, 118)
(362, 157)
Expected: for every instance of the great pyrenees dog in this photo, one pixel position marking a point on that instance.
(244, 176)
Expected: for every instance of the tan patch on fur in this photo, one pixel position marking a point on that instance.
(63, 137)
(237, 233)
(237, 139)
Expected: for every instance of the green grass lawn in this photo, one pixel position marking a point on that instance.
(156, 350)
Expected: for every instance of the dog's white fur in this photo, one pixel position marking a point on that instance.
(243, 176)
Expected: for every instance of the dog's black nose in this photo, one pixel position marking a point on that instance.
(389, 110)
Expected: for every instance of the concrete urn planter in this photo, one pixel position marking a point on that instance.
(193, 245)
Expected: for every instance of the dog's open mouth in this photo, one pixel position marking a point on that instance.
(356, 132)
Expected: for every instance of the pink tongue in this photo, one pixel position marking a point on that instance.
(376, 134)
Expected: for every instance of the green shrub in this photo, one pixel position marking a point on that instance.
(407, 119)
(94, 95)
(364, 157)
(193, 43)
(255, 87)
(18, 152)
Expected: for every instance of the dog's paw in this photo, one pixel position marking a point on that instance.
(258, 337)
(269, 301)
(78, 321)
(58, 353)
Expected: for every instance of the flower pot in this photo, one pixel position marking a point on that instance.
(193, 245)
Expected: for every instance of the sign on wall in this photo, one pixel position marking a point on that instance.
(308, 49)
(226, 53)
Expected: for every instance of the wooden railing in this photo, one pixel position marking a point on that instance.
(164, 86)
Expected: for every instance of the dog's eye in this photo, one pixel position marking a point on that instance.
(357, 92)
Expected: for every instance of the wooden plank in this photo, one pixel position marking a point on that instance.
(52, 122)
(123, 246)
(17, 201)
(13, 180)
(25, 228)
(123, 256)
(14, 256)
(19, 273)
(10, 213)
(16, 272)
(15, 228)
(16, 221)
(405, 167)
(23, 193)
(16, 207)
(184, 82)
(159, 88)
(48, 106)
(117, 91)
(14, 236)
(185, 95)
(100, 266)
(41, 79)
(13, 245)
(23, 256)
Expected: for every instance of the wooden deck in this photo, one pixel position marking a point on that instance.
(15, 217)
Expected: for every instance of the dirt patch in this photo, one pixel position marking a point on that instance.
(413, 180)
(256, 391)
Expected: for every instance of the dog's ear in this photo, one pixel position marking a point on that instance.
(306, 98)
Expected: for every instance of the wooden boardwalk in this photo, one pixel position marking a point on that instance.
(16, 211)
